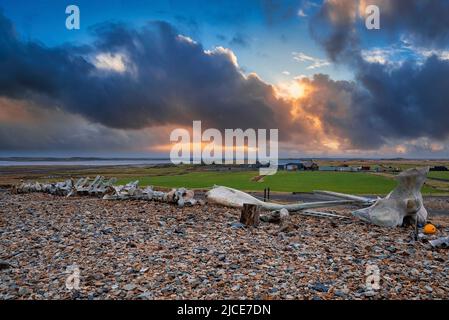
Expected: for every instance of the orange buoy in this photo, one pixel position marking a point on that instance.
(430, 229)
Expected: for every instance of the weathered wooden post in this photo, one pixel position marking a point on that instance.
(250, 215)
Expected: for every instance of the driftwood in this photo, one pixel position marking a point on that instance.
(404, 202)
(250, 215)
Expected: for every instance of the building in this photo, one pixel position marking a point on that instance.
(348, 169)
(383, 168)
(294, 166)
(439, 168)
(310, 165)
(340, 169)
(327, 168)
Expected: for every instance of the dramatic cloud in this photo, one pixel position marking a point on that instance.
(136, 78)
(129, 87)
(27, 127)
(398, 94)
(339, 25)
(425, 22)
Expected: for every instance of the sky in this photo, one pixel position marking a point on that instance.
(136, 70)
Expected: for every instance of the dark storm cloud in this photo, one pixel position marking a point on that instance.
(335, 35)
(406, 103)
(70, 135)
(168, 79)
(27, 127)
(425, 21)
(385, 101)
(340, 106)
(339, 28)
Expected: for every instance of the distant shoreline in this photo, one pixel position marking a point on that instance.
(164, 160)
(129, 161)
(81, 162)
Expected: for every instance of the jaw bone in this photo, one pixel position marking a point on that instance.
(405, 201)
(235, 198)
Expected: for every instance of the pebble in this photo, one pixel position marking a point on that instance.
(237, 225)
(129, 287)
(150, 250)
(370, 293)
(145, 296)
(339, 293)
(319, 287)
(4, 265)
(24, 291)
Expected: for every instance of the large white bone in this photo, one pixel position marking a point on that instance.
(404, 201)
(235, 198)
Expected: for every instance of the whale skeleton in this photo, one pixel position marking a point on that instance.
(106, 188)
(404, 203)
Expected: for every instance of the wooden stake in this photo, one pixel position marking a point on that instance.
(250, 215)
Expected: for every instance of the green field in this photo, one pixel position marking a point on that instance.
(439, 175)
(354, 183)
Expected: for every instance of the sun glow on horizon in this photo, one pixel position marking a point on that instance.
(202, 146)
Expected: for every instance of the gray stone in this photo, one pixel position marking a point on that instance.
(145, 295)
(129, 287)
(237, 225)
(320, 287)
(4, 265)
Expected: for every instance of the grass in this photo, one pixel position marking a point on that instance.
(439, 175)
(13, 175)
(353, 183)
(198, 178)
